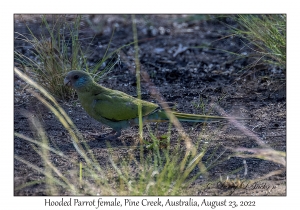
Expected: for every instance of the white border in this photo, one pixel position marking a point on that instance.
(8, 201)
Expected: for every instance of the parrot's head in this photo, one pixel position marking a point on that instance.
(77, 79)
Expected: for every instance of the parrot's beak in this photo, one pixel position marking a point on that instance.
(67, 82)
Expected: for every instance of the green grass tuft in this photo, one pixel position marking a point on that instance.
(56, 51)
(266, 35)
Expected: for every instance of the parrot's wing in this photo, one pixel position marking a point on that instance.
(116, 106)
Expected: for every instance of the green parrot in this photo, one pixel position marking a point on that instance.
(117, 109)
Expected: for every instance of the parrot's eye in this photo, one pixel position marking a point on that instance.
(76, 77)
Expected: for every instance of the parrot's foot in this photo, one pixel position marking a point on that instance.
(110, 136)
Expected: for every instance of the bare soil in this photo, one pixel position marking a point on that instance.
(183, 74)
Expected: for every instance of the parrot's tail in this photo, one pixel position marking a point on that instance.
(197, 118)
(161, 116)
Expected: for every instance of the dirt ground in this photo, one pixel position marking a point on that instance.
(183, 74)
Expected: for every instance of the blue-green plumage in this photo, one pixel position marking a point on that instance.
(118, 109)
